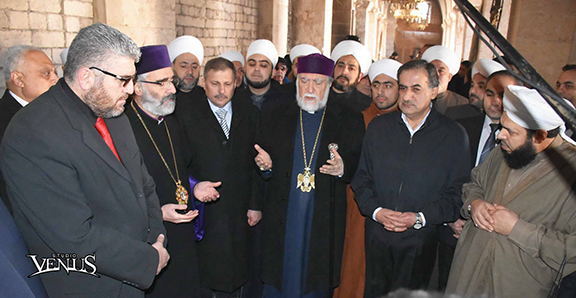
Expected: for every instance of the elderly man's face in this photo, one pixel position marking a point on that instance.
(346, 73)
(258, 71)
(384, 91)
(566, 85)
(444, 75)
(312, 91)
(219, 86)
(494, 95)
(239, 72)
(107, 96)
(476, 93)
(415, 93)
(36, 75)
(187, 69)
(156, 99)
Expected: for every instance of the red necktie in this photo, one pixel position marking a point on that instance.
(103, 131)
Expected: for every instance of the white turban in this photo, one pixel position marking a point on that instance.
(388, 67)
(263, 47)
(356, 49)
(486, 67)
(302, 50)
(445, 55)
(527, 108)
(186, 44)
(64, 56)
(233, 56)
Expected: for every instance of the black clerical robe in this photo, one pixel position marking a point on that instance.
(180, 278)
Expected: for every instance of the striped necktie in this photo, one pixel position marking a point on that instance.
(490, 143)
(221, 113)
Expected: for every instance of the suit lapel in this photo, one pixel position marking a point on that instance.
(90, 135)
(237, 117)
(207, 116)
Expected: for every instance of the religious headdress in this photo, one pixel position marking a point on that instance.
(263, 47)
(186, 44)
(302, 50)
(316, 63)
(527, 108)
(356, 49)
(445, 55)
(153, 58)
(388, 67)
(486, 67)
(233, 56)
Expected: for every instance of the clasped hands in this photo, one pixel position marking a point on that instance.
(492, 217)
(333, 167)
(395, 221)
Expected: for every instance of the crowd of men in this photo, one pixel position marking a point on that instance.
(280, 177)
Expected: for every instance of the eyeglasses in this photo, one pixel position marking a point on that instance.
(162, 83)
(125, 80)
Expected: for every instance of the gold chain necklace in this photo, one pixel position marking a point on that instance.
(306, 181)
(181, 193)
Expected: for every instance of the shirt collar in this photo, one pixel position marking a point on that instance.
(214, 108)
(413, 131)
(22, 102)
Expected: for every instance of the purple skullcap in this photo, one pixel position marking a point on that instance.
(153, 58)
(316, 63)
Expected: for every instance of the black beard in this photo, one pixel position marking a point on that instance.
(258, 85)
(179, 83)
(346, 89)
(520, 157)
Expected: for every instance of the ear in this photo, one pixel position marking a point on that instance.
(434, 92)
(450, 77)
(85, 78)
(539, 136)
(17, 78)
(360, 77)
(138, 89)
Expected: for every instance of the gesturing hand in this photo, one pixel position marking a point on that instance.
(263, 160)
(169, 213)
(205, 191)
(457, 227)
(333, 167)
(163, 255)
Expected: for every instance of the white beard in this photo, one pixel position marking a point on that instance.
(312, 107)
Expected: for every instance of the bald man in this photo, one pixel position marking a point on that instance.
(28, 73)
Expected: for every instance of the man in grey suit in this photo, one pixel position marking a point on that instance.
(77, 180)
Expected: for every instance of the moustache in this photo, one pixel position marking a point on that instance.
(310, 95)
(221, 96)
(169, 97)
(475, 96)
(343, 77)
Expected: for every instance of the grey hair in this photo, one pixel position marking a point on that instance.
(95, 45)
(14, 58)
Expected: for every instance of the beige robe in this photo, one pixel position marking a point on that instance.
(525, 263)
(449, 99)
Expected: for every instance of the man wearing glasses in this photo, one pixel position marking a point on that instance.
(77, 180)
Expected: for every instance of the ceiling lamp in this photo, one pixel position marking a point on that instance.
(414, 12)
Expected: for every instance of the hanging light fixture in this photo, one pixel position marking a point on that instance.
(414, 12)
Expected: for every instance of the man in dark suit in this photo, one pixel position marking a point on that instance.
(305, 206)
(29, 73)
(76, 178)
(221, 132)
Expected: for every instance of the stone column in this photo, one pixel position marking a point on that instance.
(146, 22)
(360, 9)
(342, 20)
(273, 23)
(312, 24)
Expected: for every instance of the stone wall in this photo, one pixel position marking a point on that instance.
(220, 25)
(48, 24)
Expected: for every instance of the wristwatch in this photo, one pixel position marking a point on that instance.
(418, 223)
